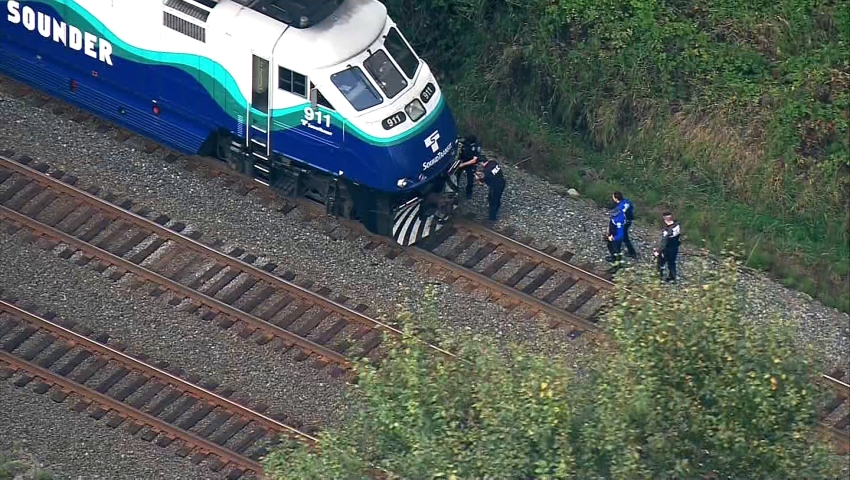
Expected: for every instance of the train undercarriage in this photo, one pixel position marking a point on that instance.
(407, 219)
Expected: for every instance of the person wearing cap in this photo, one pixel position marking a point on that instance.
(616, 230)
(628, 208)
(668, 248)
(469, 156)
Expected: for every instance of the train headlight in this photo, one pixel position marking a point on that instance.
(415, 110)
(402, 182)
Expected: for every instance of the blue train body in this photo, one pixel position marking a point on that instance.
(195, 104)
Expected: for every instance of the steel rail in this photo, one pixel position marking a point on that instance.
(505, 290)
(555, 262)
(147, 274)
(842, 389)
(153, 372)
(422, 254)
(530, 251)
(434, 259)
(156, 424)
(428, 256)
(192, 244)
(838, 385)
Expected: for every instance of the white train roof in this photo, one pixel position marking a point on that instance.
(348, 31)
(297, 13)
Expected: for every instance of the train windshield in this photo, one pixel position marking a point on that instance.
(354, 85)
(385, 74)
(402, 54)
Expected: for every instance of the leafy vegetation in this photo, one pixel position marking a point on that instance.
(19, 465)
(734, 114)
(681, 389)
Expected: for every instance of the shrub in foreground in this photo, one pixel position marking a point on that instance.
(684, 387)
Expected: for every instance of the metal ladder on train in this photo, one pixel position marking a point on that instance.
(259, 149)
(258, 123)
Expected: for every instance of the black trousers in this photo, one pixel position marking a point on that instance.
(470, 178)
(668, 257)
(630, 249)
(494, 198)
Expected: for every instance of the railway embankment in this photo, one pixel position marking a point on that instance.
(532, 205)
(733, 114)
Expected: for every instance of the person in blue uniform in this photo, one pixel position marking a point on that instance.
(616, 229)
(628, 208)
(493, 176)
(469, 156)
(668, 248)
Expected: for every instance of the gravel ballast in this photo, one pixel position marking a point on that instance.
(212, 208)
(149, 325)
(161, 331)
(538, 207)
(74, 446)
(530, 204)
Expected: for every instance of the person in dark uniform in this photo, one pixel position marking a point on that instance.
(628, 208)
(668, 249)
(469, 156)
(616, 229)
(493, 176)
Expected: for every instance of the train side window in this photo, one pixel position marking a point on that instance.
(321, 98)
(292, 82)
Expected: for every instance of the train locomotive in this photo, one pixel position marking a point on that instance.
(324, 99)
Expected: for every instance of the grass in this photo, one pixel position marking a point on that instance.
(17, 464)
(733, 114)
(710, 213)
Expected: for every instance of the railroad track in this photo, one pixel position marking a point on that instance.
(512, 272)
(158, 405)
(510, 269)
(505, 264)
(226, 287)
(543, 279)
(835, 416)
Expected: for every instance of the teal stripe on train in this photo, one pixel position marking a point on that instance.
(222, 87)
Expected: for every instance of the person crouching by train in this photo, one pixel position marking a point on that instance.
(668, 249)
(469, 155)
(628, 208)
(493, 176)
(616, 231)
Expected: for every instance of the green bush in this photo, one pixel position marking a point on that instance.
(19, 465)
(687, 389)
(733, 113)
